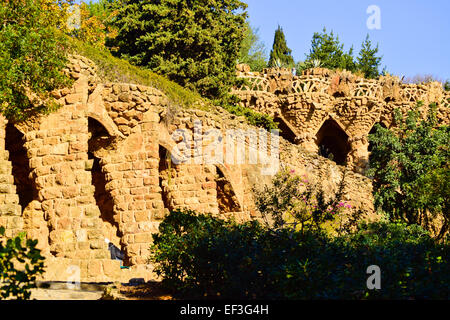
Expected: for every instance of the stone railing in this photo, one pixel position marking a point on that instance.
(307, 84)
(330, 82)
(367, 88)
(254, 83)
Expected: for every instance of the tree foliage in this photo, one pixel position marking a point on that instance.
(280, 55)
(328, 52)
(194, 43)
(293, 202)
(447, 85)
(326, 48)
(20, 263)
(253, 51)
(96, 22)
(367, 60)
(410, 166)
(32, 55)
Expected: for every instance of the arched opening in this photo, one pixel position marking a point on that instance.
(99, 138)
(333, 142)
(25, 187)
(285, 131)
(165, 175)
(226, 198)
(373, 131)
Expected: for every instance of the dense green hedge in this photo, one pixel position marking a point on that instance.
(206, 257)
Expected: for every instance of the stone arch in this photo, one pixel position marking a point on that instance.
(98, 140)
(15, 144)
(164, 172)
(286, 130)
(333, 141)
(226, 197)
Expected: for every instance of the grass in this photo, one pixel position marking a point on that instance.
(114, 69)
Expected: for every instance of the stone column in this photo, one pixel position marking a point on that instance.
(10, 210)
(358, 157)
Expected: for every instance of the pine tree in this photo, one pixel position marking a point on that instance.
(327, 49)
(281, 55)
(367, 61)
(194, 43)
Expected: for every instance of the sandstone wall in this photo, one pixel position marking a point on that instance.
(306, 104)
(104, 166)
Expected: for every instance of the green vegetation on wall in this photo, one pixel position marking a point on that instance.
(411, 169)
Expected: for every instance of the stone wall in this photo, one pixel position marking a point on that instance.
(323, 107)
(104, 166)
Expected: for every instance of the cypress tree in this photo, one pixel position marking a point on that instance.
(281, 55)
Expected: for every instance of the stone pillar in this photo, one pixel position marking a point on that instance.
(358, 157)
(308, 142)
(133, 182)
(193, 186)
(57, 150)
(10, 210)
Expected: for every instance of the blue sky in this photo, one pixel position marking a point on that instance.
(414, 37)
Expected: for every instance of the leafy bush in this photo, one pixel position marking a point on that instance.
(19, 266)
(32, 55)
(292, 201)
(410, 166)
(206, 257)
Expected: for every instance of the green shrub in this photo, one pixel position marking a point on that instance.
(32, 56)
(19, 266)
(206, 257)
(411, 169)
(292, 201)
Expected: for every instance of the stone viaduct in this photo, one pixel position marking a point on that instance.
(102, 166)
(331, 112)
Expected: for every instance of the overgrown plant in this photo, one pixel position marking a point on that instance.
(32, 55)
(411, 169)
(293, 202)
(203, 257)
(20, 263)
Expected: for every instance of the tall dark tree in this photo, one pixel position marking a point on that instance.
(281, 55)
(367, 61)
(194, 43)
